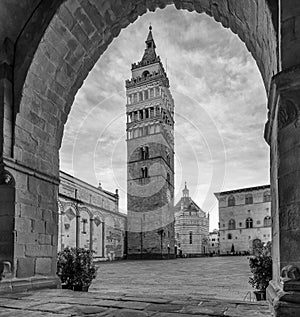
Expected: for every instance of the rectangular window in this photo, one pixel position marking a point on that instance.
(151, 92)
(157, 91)
(141, 96)
(135, 97)
(191, 237)
(146, 94)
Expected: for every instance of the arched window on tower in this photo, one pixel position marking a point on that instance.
(249, 199)
(267, 196)
(144, 171)
(231, 224)
(144, 152)
(231, 201)
(267, 221)
(145, 73)
(249, 223)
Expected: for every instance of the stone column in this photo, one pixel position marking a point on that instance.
(91, 233)
(283, 134)
(77, 231)
(103, 239)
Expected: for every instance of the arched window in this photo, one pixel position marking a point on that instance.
(229, 236)
(231, 224)
(144, 172)
(145, 73)
(231, 201)
(267, 196)
(249, 199)
(144, 151)
(267, 221)
(249, 223)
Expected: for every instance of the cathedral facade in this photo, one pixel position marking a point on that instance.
(191, 227)
(244, 219)
(150, 158)
(89, 218)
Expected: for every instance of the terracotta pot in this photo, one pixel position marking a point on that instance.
(81, 288)
(260, 295)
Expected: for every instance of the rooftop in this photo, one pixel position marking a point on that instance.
(241, 190)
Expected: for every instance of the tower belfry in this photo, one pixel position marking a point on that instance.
(150, 158)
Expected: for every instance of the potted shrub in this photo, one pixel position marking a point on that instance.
(76, 268)
(261, 269)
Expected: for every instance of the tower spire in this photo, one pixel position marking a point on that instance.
(149, 54)
(185, 192)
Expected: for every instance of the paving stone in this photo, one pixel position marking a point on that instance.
(51, 307)
(147, 299)
(128, 313)
(164, 307)
(178, 315)
(131, 305)
(246, 312)
(84, 310)
(212, 311)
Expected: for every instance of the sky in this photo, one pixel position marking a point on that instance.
(220, 109)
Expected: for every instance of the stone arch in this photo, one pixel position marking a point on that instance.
(56, 49)
(87, 210)
(60, 206)
(74, 39)
(71, 205)
(110, 221)
(99, 215)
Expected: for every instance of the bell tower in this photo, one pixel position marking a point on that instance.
(150, 158)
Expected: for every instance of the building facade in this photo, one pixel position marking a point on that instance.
(191, 227)
(89, 217)
(214, 242)
(150, 158)
(244, 218)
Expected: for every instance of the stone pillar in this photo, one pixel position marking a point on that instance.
(91, 233)
(77, 231)
(283, 134)
(103, 239)
(6, 98)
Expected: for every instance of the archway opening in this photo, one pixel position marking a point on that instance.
(86, 31)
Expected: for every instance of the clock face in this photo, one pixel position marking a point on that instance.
(169, 195)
